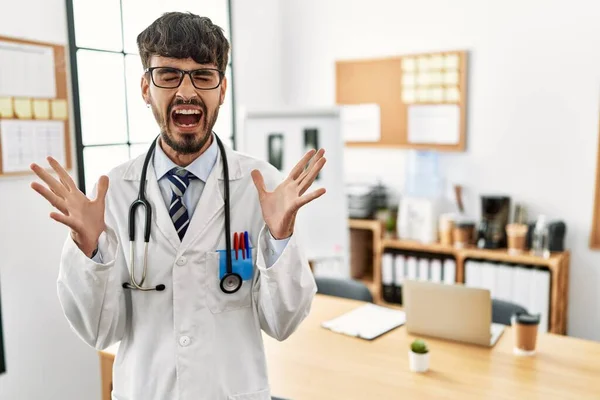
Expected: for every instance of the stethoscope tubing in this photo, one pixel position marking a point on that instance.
(141, 201)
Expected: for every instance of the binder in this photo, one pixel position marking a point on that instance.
(387, 277)
(504, 279)
(412, 268)
(472, 273)
(521, 286)
(449, 271)
(423, 269)
(488, 277)
(399, 274)
(436, 270)
(540, 296)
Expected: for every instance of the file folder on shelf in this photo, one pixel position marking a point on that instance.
(366, 322)
(387, 277)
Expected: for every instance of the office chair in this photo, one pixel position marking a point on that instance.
(346, 288)
(502, 311)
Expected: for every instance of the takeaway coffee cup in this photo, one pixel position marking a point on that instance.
(525, 331)
(517, 238)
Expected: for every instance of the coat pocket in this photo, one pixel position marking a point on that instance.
(219, 301)
(260, 395)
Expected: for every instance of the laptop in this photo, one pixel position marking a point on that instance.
(454, 312)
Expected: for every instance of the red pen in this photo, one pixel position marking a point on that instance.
(236, 244)
(242, 245)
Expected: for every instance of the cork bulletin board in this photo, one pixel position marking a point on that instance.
(422, 98)
(34, 116)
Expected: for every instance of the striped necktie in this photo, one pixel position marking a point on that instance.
(179, 178)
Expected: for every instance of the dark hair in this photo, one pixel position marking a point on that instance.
(184, 35)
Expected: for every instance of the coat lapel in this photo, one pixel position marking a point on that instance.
(211, 203)
(160, 214)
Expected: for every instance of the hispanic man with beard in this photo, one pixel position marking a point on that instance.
(188, 319)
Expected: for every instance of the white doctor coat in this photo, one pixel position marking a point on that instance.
(190, 341)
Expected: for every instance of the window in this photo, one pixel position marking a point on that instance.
(112, 122)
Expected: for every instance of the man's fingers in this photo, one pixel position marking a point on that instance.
(65, 220)
(65, 178)
(102, 188)
(297, 170)
(307, 198)
(259, 181)
(312, 175)
(52, 183)
(56, 201)
(311, 164)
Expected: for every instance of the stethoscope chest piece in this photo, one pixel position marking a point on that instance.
(231, 283)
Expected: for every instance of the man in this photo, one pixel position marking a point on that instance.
(185, 338)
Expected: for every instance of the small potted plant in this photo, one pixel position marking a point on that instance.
(418, 356)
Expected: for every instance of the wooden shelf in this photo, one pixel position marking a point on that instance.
(368, 224)
(373, 278)
(500, 255)
(417, 246)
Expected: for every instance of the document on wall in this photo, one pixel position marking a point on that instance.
(439, 124)
(27, 70)
(25, 142)
(361, 122)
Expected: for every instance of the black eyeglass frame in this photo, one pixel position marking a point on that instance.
(183, 74)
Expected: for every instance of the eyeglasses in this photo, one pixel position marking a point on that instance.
(171, 78)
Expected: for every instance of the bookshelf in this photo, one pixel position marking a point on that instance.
(557, 264)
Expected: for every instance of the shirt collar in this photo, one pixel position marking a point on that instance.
(200, 167)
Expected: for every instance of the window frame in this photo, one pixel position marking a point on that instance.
(73, 49)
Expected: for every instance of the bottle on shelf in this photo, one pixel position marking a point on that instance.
(540, 238)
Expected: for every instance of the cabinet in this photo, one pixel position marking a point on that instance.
(557, 265)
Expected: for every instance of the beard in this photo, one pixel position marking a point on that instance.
(188, 143)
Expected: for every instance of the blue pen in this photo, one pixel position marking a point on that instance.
(247, 243)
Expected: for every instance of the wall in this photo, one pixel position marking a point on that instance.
(45, 360)
(533, 90)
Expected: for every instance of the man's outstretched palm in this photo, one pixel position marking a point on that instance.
(85, 217)
(279, 207)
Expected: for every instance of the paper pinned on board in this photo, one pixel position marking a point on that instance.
(6, 108)
(27, 70)
(361, 122)
(434, 124)
(23, 108)
(59, 109)
(25, 142)
(41, 109)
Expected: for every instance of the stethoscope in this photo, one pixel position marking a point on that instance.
(231, 282)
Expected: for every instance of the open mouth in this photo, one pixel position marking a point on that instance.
(186, 117)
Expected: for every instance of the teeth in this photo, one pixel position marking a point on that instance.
(184, 111)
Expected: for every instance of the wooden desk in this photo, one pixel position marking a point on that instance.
(315, 363)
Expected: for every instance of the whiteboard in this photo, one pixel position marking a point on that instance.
(282, 137)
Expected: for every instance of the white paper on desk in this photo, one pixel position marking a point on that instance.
(27, 70)
(25, 142)
(439, 124)
(361, 122)
(367, 321)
